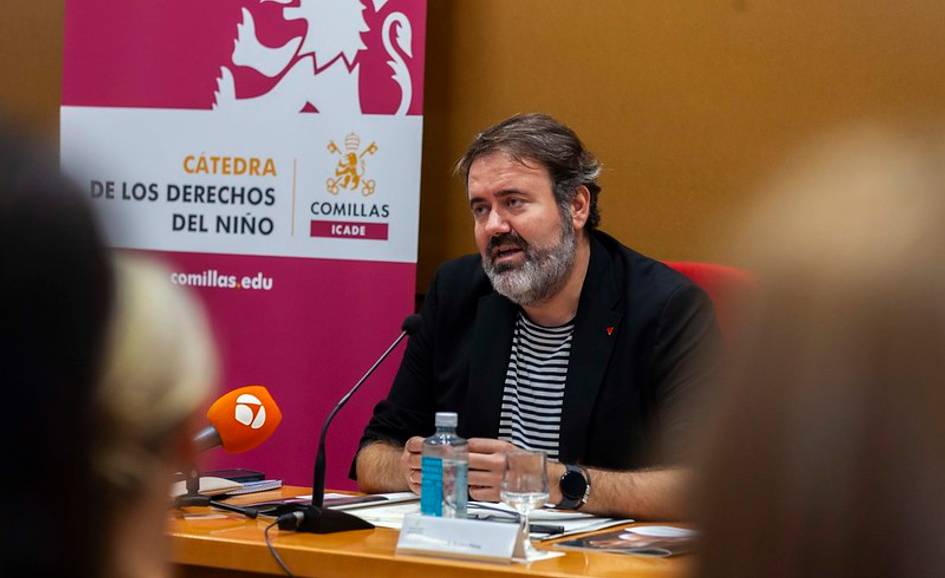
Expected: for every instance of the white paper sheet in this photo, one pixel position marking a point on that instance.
(387, 515)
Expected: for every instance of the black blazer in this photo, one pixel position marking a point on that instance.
(641, 336)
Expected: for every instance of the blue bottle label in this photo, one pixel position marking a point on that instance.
(431, 486)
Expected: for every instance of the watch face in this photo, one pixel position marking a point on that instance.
(573, 485)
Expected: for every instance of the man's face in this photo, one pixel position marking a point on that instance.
(527, 246)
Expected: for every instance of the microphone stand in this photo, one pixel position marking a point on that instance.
(316, 518)
(193, 497)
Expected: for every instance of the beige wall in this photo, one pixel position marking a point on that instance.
(688, 103)
(31, 63)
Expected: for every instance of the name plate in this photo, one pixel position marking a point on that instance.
(459, 538)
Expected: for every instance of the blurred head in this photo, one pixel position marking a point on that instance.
(56, 300)
(532, 190)
(159, 366)
(105, 363)
(826, 456)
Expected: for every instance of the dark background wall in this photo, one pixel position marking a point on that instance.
(688, 103)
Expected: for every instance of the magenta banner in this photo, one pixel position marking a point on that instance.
(269, 152)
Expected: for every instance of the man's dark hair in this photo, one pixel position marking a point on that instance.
(539, 138)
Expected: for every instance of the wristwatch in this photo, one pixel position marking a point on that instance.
(575, 487)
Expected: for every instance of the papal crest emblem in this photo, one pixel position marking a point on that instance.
(350, 170)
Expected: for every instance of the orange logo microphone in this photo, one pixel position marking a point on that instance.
(240, 420)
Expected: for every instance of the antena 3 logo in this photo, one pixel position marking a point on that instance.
(250, 411)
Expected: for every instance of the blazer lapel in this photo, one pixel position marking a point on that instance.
(595, 330)
(488, 361)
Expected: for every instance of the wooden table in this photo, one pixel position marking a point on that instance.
(234, 546)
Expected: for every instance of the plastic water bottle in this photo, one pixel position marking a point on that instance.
(444, 466)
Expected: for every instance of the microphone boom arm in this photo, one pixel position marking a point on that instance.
(315, 517)
(318, 480)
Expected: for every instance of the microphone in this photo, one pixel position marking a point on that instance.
(240, 420)
(315, 518)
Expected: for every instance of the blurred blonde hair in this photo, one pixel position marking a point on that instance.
(826, 456)
(159, 367)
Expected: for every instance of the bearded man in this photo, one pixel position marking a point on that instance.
(555, 337)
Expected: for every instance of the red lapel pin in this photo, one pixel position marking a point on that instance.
(610, 330)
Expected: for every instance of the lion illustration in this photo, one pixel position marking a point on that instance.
(320, 68)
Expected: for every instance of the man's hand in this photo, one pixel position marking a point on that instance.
(486, 464)
(410, 460)
(655, 493)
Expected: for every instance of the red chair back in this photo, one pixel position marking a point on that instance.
(722, 283)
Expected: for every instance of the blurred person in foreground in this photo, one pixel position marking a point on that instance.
(106, 364)
(826, 456)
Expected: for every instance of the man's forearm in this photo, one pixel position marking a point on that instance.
(379, 468)
(656, 494)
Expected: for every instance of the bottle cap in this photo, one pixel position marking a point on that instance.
(446, 419)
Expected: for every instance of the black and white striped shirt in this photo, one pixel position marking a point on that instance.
(534, 385)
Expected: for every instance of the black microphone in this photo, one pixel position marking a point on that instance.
(316, 518)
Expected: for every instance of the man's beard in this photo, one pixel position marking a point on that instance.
(542, 273)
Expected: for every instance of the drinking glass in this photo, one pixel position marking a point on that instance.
(525, 488)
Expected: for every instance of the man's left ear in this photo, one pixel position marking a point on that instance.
(580, 207)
